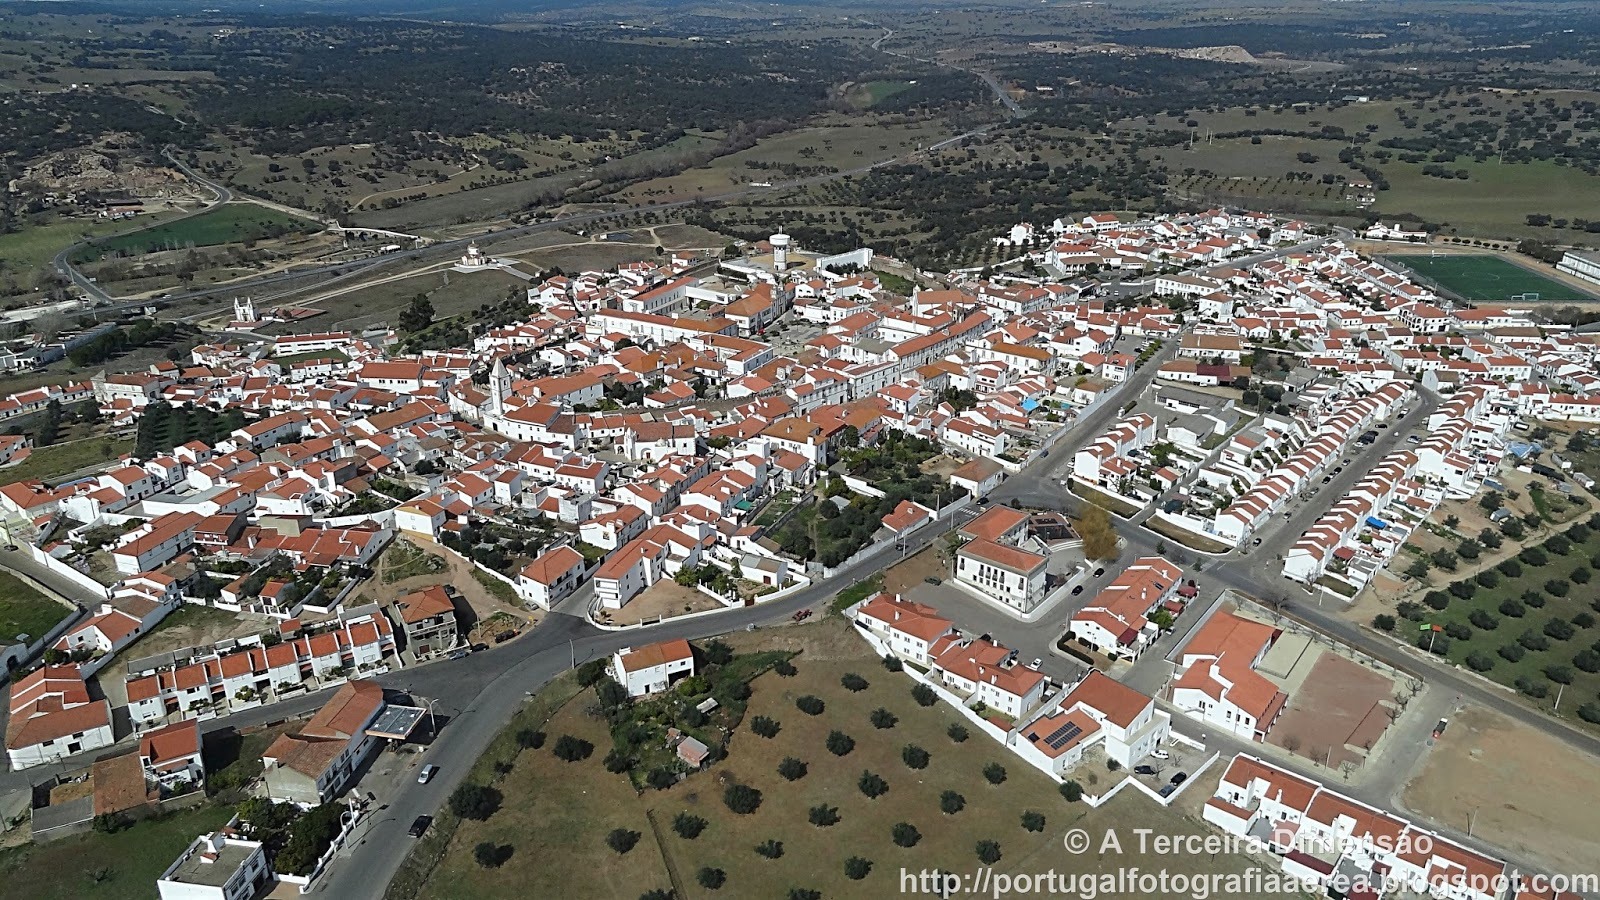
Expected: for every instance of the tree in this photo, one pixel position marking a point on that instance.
(892, 663)
(491, 855)
(617, 762)
(1418, 568)
(905, 834)
(853, 683)
(792, 769)
(1443, 559)
(1071, 791)
(770, 848)
(622, 840)
(957, 732)
(839, 743)
(572, 749)
(711, 879)
(611, 695)
(914, 757)
(688, 825)
(823, 816)
(765, 727)
(1452, 522)
(1032, 821)
(530, 738)
(1383, 622)
(741, 799)
(951, 803)
(811, 706)
(988, 852)
(882, 718)
(417, 316)
(857, 868)
(995, 773)
(1469, 549)
(474, 801)
(591, 672)
(872, 785)
(924, 695)
(718, 653)
(1099, 536)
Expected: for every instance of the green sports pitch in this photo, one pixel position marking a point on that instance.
(1479, 278)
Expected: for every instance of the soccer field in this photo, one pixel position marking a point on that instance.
(1486, 278)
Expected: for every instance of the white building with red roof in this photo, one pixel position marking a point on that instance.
(52, 717)
(1217, 682)
(986, 672)
(1116, 622)
(652, 669)
(909, 630)
(1098, 711)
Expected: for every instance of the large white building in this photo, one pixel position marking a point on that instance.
(217, 866)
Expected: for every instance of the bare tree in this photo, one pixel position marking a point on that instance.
(1291, 743)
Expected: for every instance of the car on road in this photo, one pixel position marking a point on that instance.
(1257, 543)
(1144, 770)
(1159, 753)
(1037, 662)
(419, 826)
(1439, 728)
(1044, 452)
(1179, 778)
(1101, 570)
(1077, 590)
(1327, 478)
(1413, 439)
(1383, 424)
(461, 654)
(427, 773)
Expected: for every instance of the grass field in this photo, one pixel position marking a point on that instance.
(1535, 600)
(63, 459)
(1478, 278)
(24, 610)
(563, 811)
(94, 866)
(229, 224)
(33, 247)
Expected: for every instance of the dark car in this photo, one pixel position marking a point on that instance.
(1099, 571)
(419, 826)
(1179, 778)
(1144, 770)
(1167, 789)
(1077, 590)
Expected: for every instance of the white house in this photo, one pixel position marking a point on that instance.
(909, 629)
(217, 866)
(650, 669)
(549, 579)
(52, 717)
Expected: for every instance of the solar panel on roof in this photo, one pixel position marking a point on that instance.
(1063, 735)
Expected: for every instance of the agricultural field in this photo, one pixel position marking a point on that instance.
(58, 460)
(1479, 277)
(25, 611)
(229, 224)
(689, 837)
(1531, 623)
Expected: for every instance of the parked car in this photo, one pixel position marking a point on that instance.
(1439, 728)
(1327, 478)
(1077, 590)
(460, 654)
(1257, 542)
(1159, 753)
(419, 826)
(1413, 439)
(427, 773)
(1144, 770)
(1099, 571)
(934, 579)
(1167, 789)
(1179, 778)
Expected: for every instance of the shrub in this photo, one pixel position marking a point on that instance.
(718, 653)
(1469, 549)
(529, 738)
(1433, 642)
(572, 749)
(905, 834)
(1458, 631)
(951, 803)
(622, 840)
(823, 816)
(1510, 568)
(617, 762)
(1480, 662)
(1482, 619)
(957, 732)
(1490, 538)
(804, 894)
(1580, 575)
(1071, 791)
(1583, 620)
(1512, 609)
(1443, 559)
(853, 683)
(657, 894)
(1558, 544)
(1535, 689)
(1532, 556)
(872, 785)
(1437, 599)
(785, 669)
(1409, 610)
(988, 851)
(1512, 653)
(1558, 674)
(882, 718)
(1578, 533)
(994, 773)
(1463, 589)
(856, 868)
(491, 855)
(741, 799)
(711, 879)
(688, 825)
(765, 727)
(892, 663)
(1112, 765)
(914, 757)
(1537, 643)
(1534, 599)
(1590, 712)
(1560, 629)
(1032, 821)
(1587, 660)
(474, 801)
(792, 769)
(769, 848)
(840, 744)
(1383, 622)
(924, 695)
(661, 778)
(1556, 587)
(811, 706)
(1488, 578)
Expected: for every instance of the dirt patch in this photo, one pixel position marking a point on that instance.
(941, 465)
(664, 600)
(457, 572)
(916, 570)
(190, 626)
(1496, 775)
(1336, 715)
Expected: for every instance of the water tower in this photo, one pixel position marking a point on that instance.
(780, 251)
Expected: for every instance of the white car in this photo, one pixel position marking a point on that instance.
(1037, 662)
(427, 773)
(1159, 753)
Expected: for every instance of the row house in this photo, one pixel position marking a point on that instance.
(908, 629)
(1216, 679)
(1097, 712)
(1116, 622)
